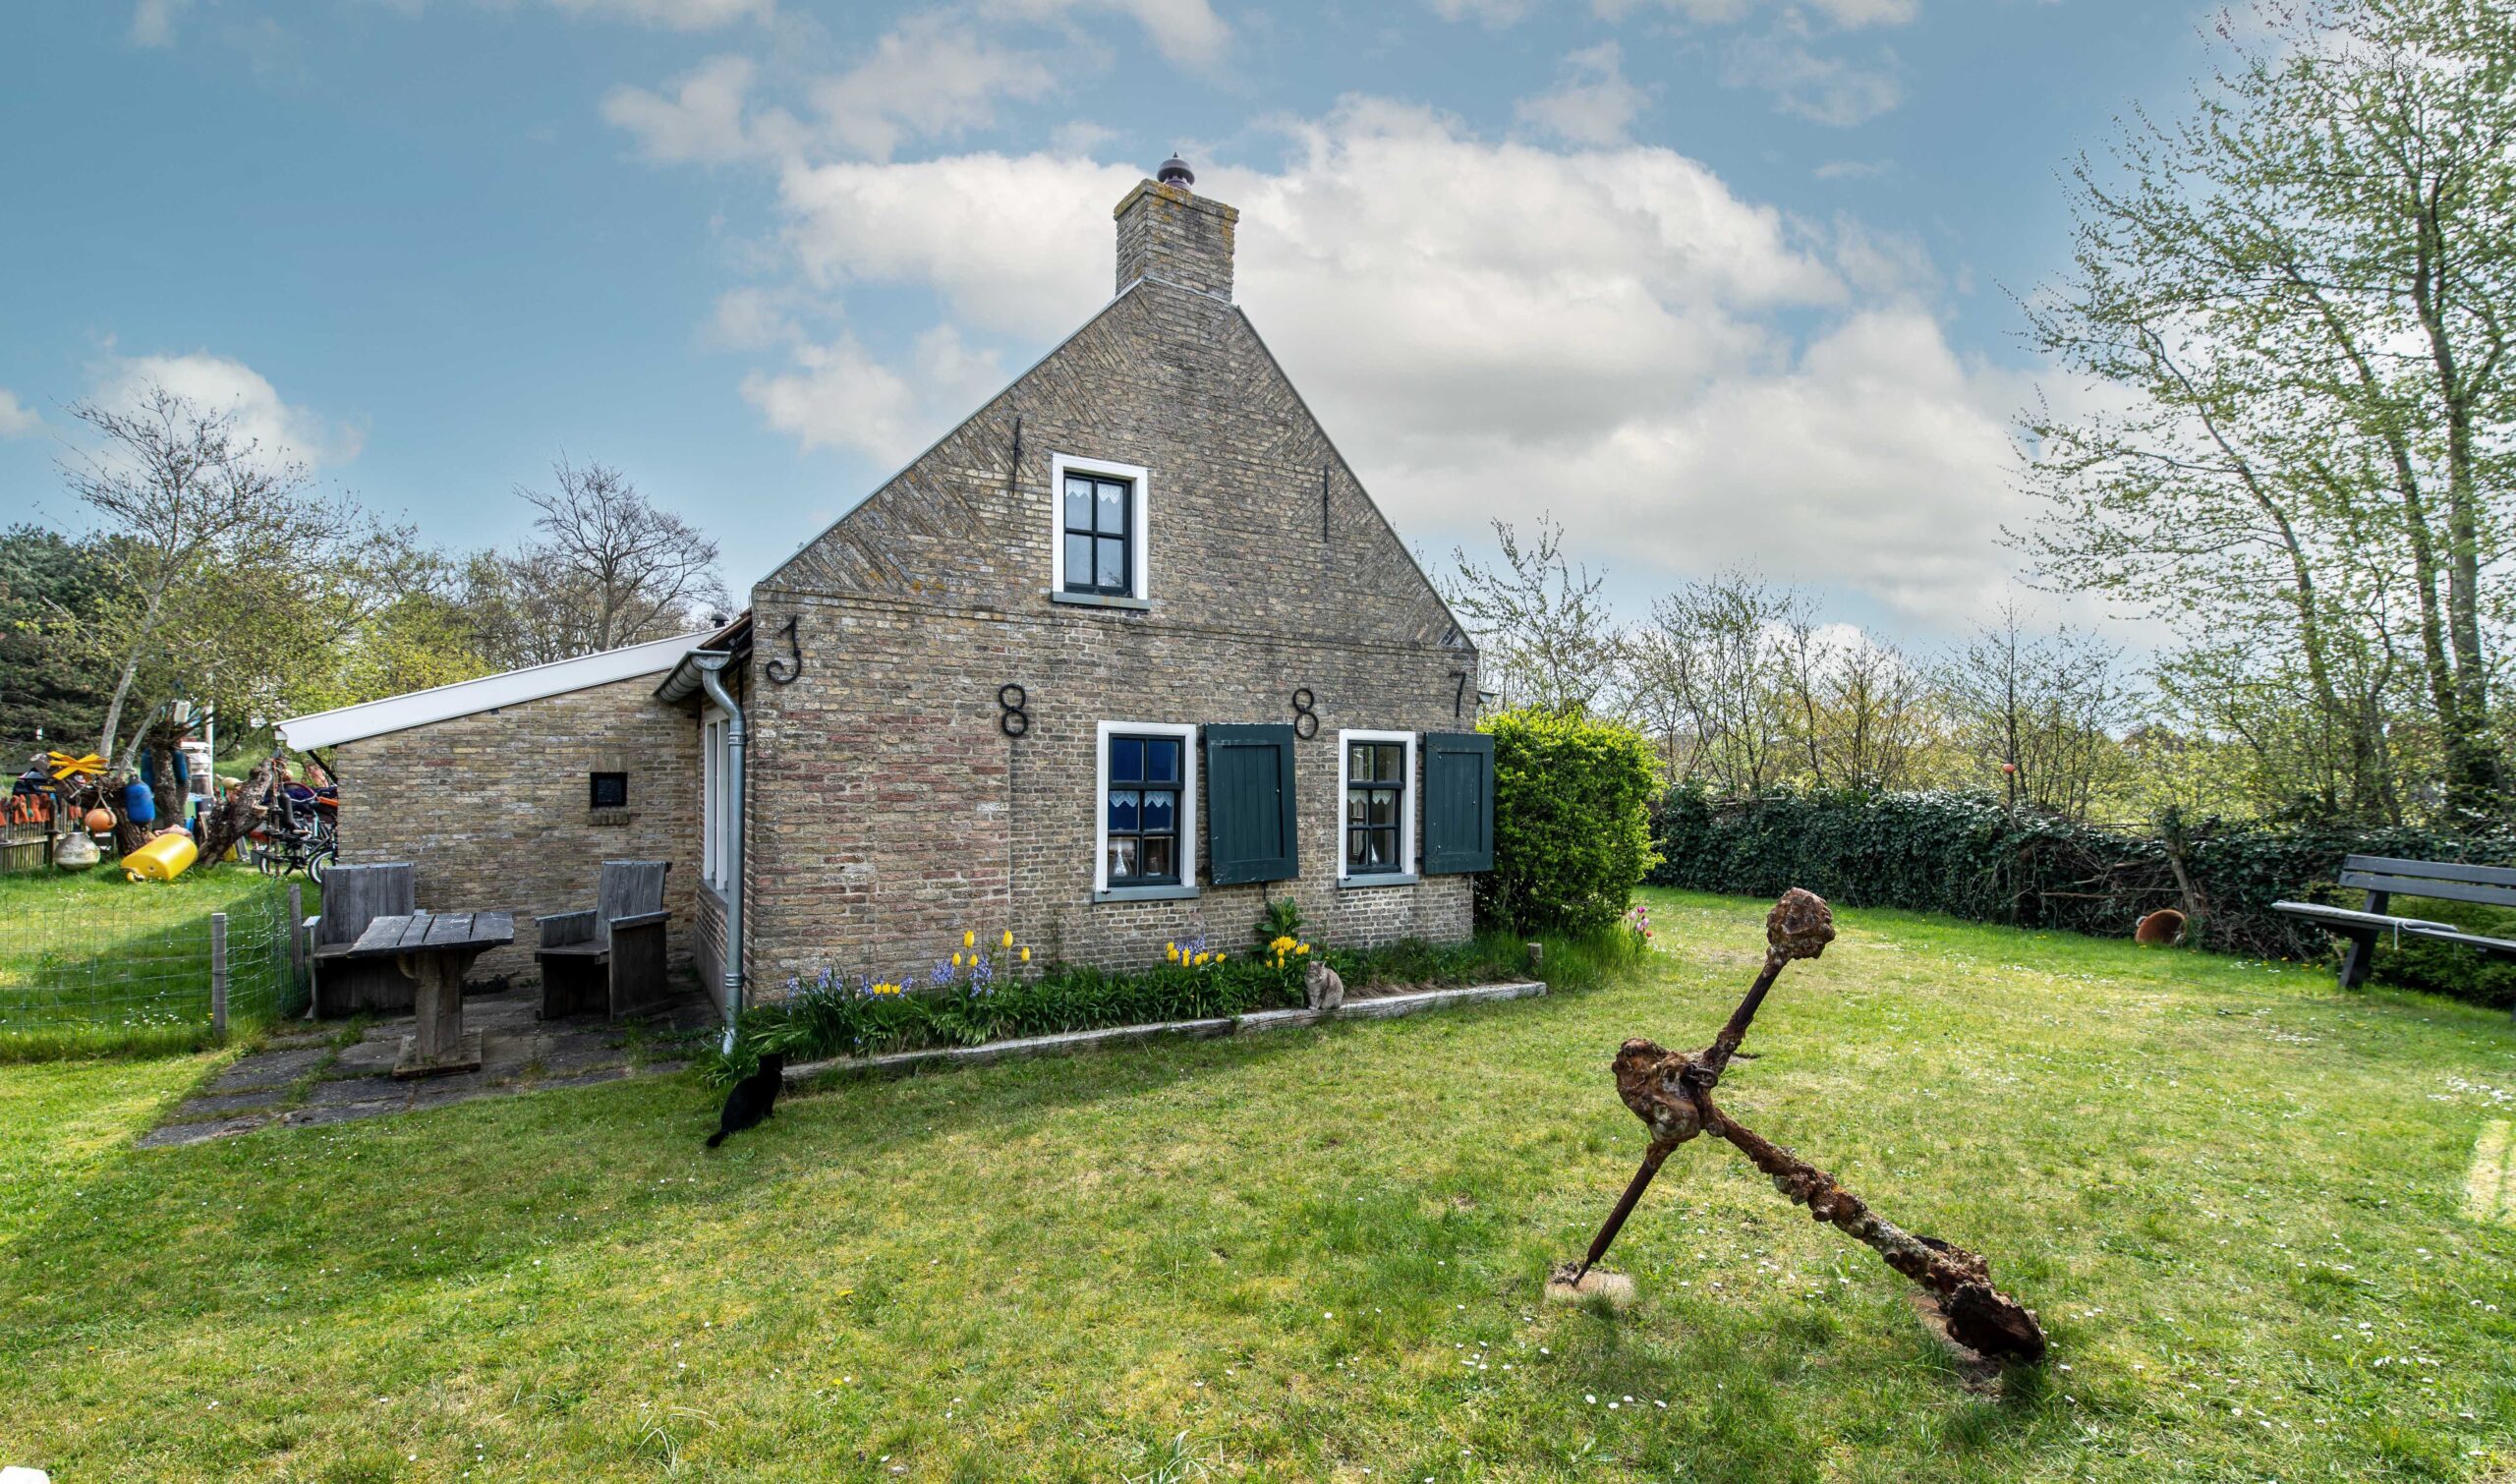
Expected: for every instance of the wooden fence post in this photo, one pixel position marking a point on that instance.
(296, 926)
(219, 973)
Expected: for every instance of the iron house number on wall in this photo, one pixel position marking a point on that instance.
(1014, 714)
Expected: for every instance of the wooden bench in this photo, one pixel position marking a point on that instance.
(353, 897)
(611, 957)
(2381, 878)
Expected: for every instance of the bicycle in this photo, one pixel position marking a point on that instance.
(296, 835)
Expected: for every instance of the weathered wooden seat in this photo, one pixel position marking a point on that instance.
(353, 897)
(611, 957)
(2381, 878)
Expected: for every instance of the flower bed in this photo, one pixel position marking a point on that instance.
(986, 991)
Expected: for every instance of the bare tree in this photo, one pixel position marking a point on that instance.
(607, 568)
(187, 504)
(1712, 656)
(1546, 637)
(2043, 714)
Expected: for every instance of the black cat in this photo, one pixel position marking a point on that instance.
(753, 1099)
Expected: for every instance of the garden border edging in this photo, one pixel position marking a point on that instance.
(1379, 1007)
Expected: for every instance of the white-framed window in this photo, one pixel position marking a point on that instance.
(1100, 548)
(715, 778)
(1145, 817)
(1376, 808)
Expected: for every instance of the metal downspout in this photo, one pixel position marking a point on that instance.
(713, 682)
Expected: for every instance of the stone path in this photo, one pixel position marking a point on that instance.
(303, 1077)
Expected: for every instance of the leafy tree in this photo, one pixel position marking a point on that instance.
(50, 587)
(2299, 292)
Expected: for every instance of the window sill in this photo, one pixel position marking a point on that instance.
(1102, 600)
(1145, 895)
(1378, 878)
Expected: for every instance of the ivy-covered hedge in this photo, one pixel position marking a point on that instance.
(1572, 822)
(1967, 856)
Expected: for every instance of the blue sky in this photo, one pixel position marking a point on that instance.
(1715, 281)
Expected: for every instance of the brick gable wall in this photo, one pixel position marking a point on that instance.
(890, 813)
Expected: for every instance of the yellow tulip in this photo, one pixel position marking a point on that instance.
(1026, 955)
(956, 960)
(1008, 938)
(970, 939)
(1302, 948)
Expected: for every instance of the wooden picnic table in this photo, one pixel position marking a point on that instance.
(435, 950)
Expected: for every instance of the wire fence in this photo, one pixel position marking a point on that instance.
(86, 971)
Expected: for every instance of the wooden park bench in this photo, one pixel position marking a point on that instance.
(611, 957)
(2383, 877)
(353, 897)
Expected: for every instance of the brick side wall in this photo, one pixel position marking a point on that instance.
(890, 811)
(492, 808)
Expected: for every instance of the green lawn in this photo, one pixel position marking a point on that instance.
(94, 963)
(2232, 1193)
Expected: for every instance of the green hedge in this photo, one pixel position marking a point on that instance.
(1572, 822)
(1967, 856)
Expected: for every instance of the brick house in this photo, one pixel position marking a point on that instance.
(1118, 659)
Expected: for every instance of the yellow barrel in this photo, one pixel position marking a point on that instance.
(162, 859)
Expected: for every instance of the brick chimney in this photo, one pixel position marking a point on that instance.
(1166, 231)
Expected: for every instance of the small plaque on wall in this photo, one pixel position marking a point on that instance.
(609, 818)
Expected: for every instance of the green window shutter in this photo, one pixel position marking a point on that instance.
(1459, 802)
(1249, 804)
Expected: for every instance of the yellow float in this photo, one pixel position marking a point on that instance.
(162, 859)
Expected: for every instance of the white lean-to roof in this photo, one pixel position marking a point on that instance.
(466, 698)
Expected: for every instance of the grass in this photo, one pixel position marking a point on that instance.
(2232, 1193)
(92, 964)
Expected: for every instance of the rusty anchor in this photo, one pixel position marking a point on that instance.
(1671, 1092)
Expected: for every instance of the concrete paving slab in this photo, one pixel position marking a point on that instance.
(175, 1135)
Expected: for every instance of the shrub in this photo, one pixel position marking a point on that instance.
(1967, 856)
(1572, 822)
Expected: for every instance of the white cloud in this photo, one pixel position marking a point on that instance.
(1820, 86)
(17, 420)
(838, 396)
(1185, 31)
(929, 79)
(220, 385)
(1592, 102)
(1844, 13)
(674, 14)
(1018, 246)
(701, 121)
(1489, 11)
(152, 21)
(1490, 328)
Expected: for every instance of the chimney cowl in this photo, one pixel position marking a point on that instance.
(1175, 171)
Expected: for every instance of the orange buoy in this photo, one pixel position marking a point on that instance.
(99, 820)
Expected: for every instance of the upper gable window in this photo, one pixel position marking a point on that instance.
(1100, 541)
